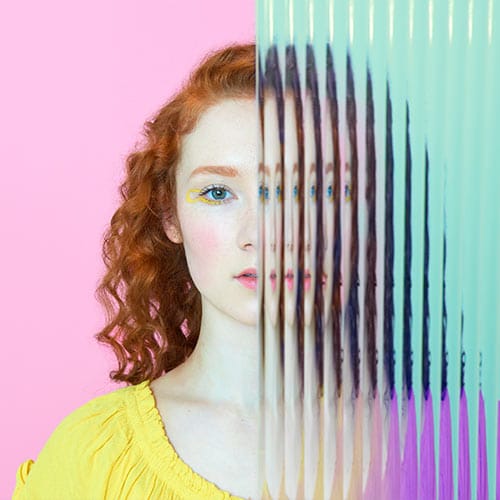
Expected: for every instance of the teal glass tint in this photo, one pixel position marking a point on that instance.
(380, 323)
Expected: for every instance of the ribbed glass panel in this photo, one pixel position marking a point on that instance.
(379, 183)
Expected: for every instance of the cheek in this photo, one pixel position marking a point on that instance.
(200, 237)
(203, 245)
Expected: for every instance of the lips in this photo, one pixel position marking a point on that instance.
(289, 279)
(248, 278)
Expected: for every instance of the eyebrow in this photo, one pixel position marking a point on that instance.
(209, 169)
(329, 167)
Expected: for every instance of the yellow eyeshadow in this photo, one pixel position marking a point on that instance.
(192, 196)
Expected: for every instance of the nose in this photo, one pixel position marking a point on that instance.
(247, 234)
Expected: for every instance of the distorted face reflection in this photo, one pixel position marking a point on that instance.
(328, 219)
(328, 232)
(217, 208)
(346, 197)
(291, 206)
(272, 192)
(310, 212)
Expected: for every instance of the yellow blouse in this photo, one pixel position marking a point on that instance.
(114, 447)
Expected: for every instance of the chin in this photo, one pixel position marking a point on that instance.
(245, 320)
(247, 317)
(249, 322)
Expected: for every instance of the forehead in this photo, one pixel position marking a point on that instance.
(225, 135)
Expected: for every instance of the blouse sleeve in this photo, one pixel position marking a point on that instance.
(78, 457)
(22, 474)
(114, 447)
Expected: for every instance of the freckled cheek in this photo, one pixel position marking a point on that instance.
(203, 244)
(200, 235)
(206, 230)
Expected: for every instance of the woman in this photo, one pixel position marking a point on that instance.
(180, 293)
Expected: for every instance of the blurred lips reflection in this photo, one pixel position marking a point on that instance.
(272, 277)
(307, 280)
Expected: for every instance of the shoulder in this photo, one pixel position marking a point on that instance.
(91, 425)
(83, 448)
(115, 446)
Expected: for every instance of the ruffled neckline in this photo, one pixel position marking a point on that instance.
(148, 425)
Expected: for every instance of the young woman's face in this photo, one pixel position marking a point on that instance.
(217, 207)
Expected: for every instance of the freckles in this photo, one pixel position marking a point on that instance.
(200, 245)
(203, 237)
(206, 241)
(207, 234)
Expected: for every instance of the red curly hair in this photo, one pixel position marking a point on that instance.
(147, 291)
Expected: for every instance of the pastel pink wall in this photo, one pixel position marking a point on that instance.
(78, 81)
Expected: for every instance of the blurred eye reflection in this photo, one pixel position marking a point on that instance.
(347, 192)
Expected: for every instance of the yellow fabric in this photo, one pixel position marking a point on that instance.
(114, 447)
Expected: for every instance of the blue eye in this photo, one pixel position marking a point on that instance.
(295, 191)
(329, 191)
(216, 194)
(266, 193)
(278, 192)
(313, 191)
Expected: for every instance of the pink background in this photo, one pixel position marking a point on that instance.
(78, 81)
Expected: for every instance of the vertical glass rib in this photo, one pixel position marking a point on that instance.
(379, 240)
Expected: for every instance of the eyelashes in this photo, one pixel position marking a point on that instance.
(215, 194)
(218, 194)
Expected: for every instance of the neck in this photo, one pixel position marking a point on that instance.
(224, 367)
